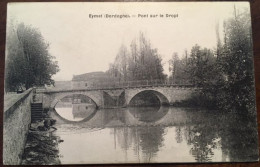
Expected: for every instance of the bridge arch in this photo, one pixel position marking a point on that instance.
(58, 98)
(163, 99)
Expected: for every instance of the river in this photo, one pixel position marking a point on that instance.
(151, 134)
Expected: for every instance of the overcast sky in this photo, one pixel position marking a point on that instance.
(81, 44)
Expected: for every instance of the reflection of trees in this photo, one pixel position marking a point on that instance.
(178, 136)
(203, 142)
(150, 141)
(148, 114)
(113, 115)
(147, 139)
(237, 136)
(239, 139)
(124, 137)
(203, 136)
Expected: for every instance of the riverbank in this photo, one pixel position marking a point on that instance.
(42, 145)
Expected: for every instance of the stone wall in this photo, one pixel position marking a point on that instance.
(17, 119)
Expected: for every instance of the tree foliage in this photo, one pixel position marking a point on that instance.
(28, 62)
(235, 63)
(142, 62)
(226, 73)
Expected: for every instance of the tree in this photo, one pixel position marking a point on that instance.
(177, 68)
(199, 66)
(226, 78)
(14, 52)
(133, 60)
(142, 63)
(121, 63)
(173, 66)
(28, 62)
(235, 64)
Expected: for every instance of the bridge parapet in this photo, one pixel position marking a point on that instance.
(117, 87)
(129, 84)
(140, 83)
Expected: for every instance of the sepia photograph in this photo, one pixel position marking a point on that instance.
(128, 83)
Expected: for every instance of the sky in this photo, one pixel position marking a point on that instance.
(82, 44)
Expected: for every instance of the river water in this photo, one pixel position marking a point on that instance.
(152, 134)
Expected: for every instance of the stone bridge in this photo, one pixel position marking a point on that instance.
(168, 95)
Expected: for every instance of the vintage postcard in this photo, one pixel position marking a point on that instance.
(115, 82)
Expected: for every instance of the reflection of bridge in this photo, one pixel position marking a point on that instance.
(168, 94)
(121, 117)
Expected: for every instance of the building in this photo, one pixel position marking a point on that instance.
(90, 80)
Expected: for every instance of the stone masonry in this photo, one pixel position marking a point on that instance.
(17, 119)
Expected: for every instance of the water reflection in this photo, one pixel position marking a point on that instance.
(148, 114)
(164, 135)
(75, 107)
